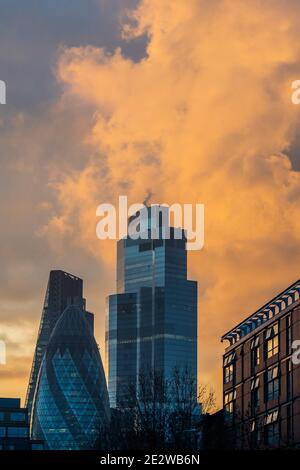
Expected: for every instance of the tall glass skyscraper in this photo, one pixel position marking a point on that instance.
(71, 408)
(62, 289)
(151, 322)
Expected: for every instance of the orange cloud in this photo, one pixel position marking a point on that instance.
(205, 117)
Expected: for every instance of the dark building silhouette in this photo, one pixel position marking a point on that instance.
(213, 433)
(71, 407)
(152, 320)
(63, 289)
(261, 379)
(14, 427)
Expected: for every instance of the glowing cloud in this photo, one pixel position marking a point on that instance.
(205, 117)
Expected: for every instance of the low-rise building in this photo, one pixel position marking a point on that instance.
(14, 427)
(261, 391)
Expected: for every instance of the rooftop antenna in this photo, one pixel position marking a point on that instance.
(147, 198)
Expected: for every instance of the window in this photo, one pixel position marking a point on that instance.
(228, 373)
(2, 431)
(17, 416)
(37, 447)
(288, 334)
(272, 428)
(158, 243)
(229, 401)
(254, 434)
(272, 384)
(272, 434)
(17, 432)
(289, 383)
(272, 341)
(255, 354)
(229, 368)
(145, 246)
(229, 359)
(1, 416)
(255, 395)
(289, 425)
(271, 417)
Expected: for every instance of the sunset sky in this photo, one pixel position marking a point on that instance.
(189, 100)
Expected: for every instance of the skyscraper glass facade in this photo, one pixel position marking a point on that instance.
(71, 408)
(62, 289)
(152, 320)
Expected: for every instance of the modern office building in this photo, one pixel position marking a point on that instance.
(151, 322)
(14, 427)
(63, 289)
(71, 408)
(262, 377)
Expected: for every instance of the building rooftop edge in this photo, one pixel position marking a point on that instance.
(66, 273)
(263, 314)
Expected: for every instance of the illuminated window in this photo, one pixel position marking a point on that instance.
(228, 373)
(229, 367)
(229, 359)
(229, 402)
(255, 353)
(272, 341)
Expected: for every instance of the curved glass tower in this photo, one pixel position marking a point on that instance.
(62, 290)
(71, 407)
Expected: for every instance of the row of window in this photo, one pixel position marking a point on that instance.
(271, 348)
(16, 416)
(271, 389)
(10, 447)
(270, 430)
(34, 446)
(269, 434)
(11, 431)
(267, 431)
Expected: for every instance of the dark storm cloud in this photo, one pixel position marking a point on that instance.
(31, 32)
(42, 138)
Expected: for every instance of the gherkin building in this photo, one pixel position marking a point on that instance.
(70, 406)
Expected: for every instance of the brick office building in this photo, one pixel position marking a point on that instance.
(261, 391)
